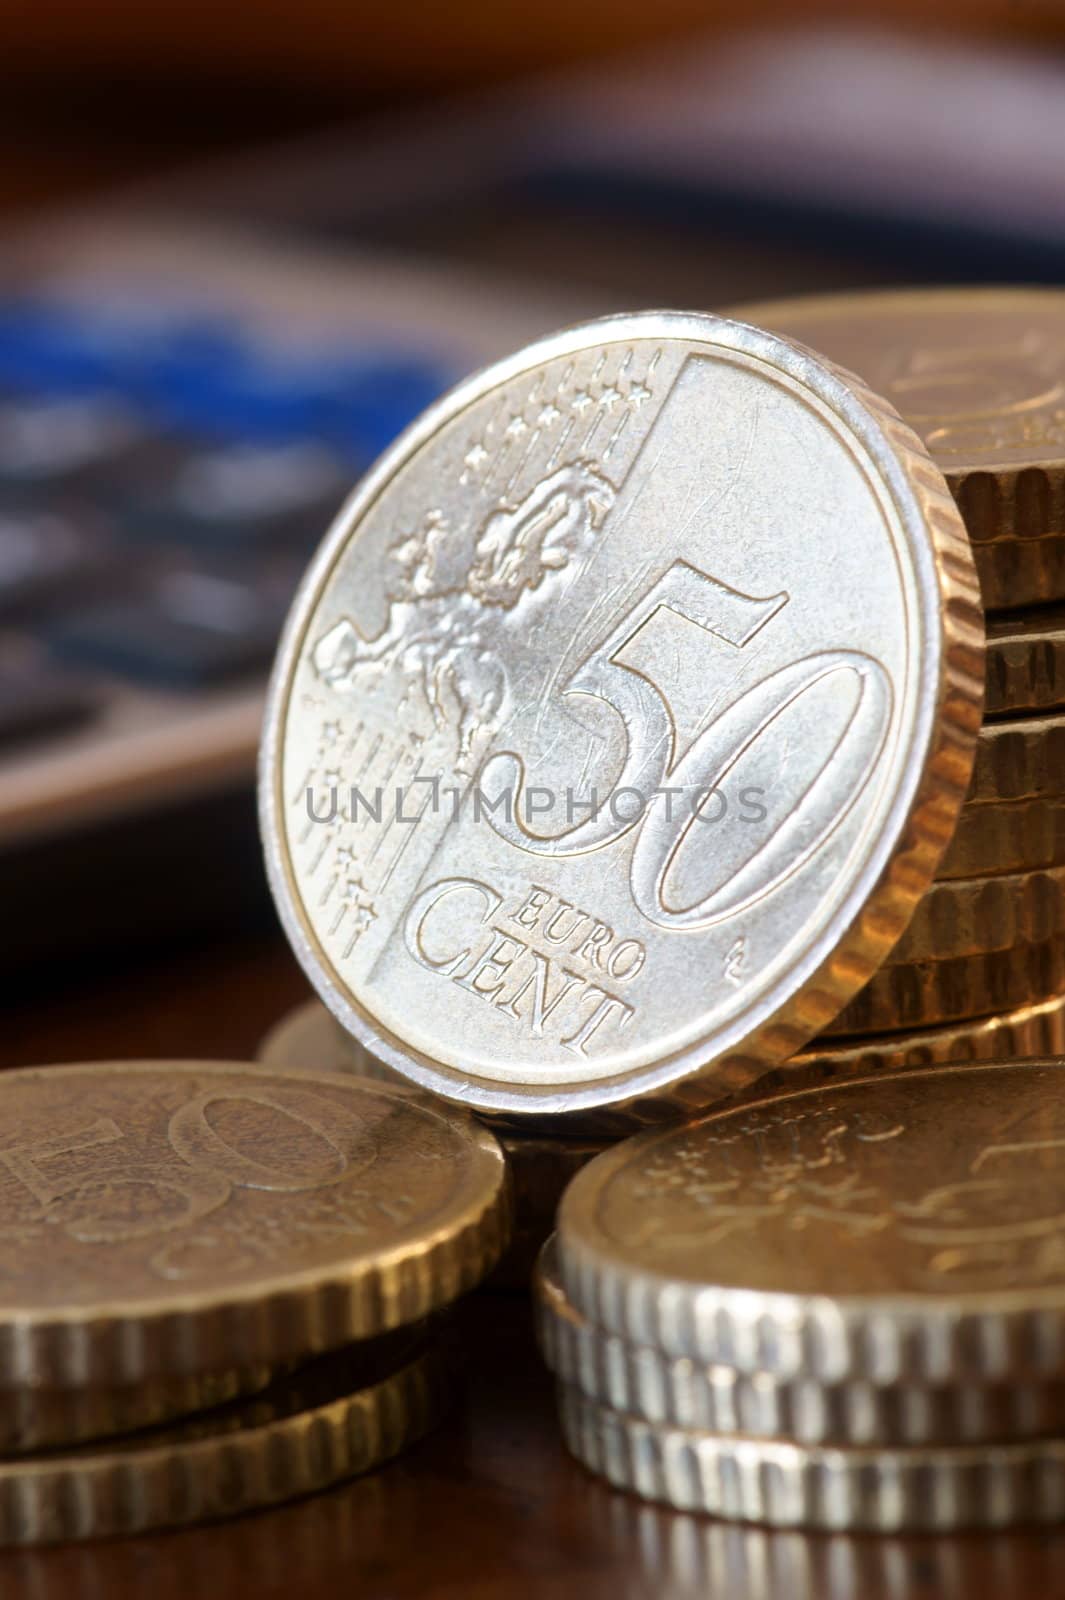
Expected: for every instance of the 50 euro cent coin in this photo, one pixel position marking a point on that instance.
(166, 1219)
(898, 1228)
(621, 720)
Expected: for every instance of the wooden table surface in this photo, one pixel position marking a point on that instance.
(489, 1506)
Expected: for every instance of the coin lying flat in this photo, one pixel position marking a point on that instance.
(1034, 1029)
(310, 1037)
(162, 1219)
(540, 1164)
(896, 1228)
(1019, 758)
(675, 1392)
(599, 767)
(1026, 662)
(806, 1486)
(1021, 572)
(980, 374)
(971, 916)
(1010, 836)
(39, 1419)
(304, 1434)
(922, 994)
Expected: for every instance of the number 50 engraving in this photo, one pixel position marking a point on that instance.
(825, 799)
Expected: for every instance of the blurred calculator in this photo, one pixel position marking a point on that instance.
(181, 416)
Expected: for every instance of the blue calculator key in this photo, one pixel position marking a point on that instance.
(235, 496)
(381, 397)
(46, 558)
(237, 391)
(52, 443)
(46, 349)
(62, 347)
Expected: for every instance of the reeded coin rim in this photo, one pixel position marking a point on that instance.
(840, 1488)
(300, 1312)
(159, 1479)
(675, 1392)
(946, 628)
(982, 914)
(976, 1335)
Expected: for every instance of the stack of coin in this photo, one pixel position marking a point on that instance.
(980, 375)
(541, 1161)
(222, 1285)
(841, 1308)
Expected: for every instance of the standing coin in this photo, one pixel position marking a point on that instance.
(904, 1228)
(621, 720)
(168, 1218)
(980, 374)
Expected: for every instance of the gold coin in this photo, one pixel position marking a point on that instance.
(1028, 1030)
(1021, 572)
(899, 1228)
(524, 643)
(970, 916)
(162, 1219)
(1010, 836)
(540, 1164)
(47, 1419)
(1026, 662)
(979, 373)
(307, 1432)
(1020, 758)
(931, 1490)
(922, 994)
(39, 1419)
(309, 1037)
(675, 1392)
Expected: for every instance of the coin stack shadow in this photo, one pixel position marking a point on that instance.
(224, 1286)
(823, 1310)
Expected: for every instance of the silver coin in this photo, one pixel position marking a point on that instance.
(646, 1383)
(807, 1486)
(621, 720)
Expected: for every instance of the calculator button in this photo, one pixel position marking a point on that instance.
(45, 558)
(191, 630)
